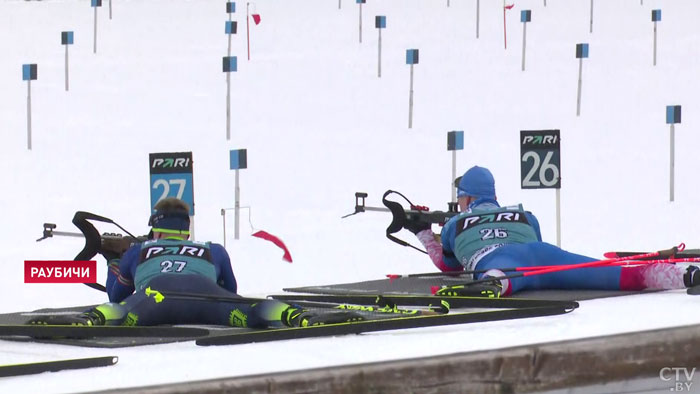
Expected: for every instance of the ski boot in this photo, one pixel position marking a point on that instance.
(691, 279)
(295, 317)
(492, 289)
(92, 317)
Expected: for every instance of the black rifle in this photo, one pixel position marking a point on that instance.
(94, 242)
(400, 215)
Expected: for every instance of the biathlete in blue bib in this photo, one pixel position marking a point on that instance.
(489, 238)
(171, 280)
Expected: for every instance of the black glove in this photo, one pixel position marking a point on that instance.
(416, 225)
(114, 245)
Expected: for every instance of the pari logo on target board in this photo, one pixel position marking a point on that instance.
(540, 159)
(171, 176)
(59, 271)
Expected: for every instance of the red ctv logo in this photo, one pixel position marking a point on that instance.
(60, 271)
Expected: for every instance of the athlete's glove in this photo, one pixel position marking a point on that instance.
(416, 225)
(113, 246)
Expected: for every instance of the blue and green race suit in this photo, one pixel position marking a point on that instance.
(488, 236)
(143, 262)
(485, 226)
(147, 285)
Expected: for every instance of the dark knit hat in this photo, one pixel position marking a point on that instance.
(171, 216)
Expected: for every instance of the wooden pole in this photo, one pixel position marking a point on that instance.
(94, 39)
(672, 166)
(578, 95)
(454, 176)
(237, 209)
(228, 106)
(379, 63)
(505, 41)
(410, 101)
(477, 18)
(558, 214)
(66, 68)
(524, 38)
(228, 51)
(29, 114)
(247, 28)
(360, 23)
(655, 43)
(223, 219)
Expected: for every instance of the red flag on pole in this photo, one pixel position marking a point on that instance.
(505, 7)
(275, 240)
(256, 20)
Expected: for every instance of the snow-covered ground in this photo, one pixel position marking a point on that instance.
(319, 126)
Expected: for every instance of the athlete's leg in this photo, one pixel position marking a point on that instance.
(540, 253)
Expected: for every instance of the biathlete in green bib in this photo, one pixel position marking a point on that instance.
(171, 280)
(490, 238)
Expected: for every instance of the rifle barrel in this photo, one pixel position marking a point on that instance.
(66, 234)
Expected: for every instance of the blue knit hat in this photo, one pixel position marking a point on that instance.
(171, 217)
(170, 222)
(477, 182)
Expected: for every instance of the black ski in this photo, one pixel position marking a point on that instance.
(695, 290)
(380, 325)
(426, 300)
(380, 308)
(78, 332)
(53, 366)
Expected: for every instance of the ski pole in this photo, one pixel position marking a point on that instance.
(674, 260)
(615, 261)
(619, 263)
(681, 253)
(661, 253)
(455, 274)
(539, 267)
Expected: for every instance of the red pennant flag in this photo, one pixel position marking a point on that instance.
(392, 277)
(275, 240)
(509, 6)
(256, 18)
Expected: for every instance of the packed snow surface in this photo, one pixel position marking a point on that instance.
(319, 125)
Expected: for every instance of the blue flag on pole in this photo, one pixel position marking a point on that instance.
(455, 140)
(581, 51)
(29, 72)
(673, 114)
(411, 56)
(525, 16)
(230, 64)
(239, 159)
